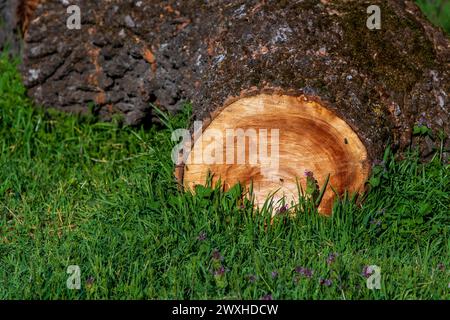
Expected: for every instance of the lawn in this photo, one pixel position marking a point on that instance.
(74, 191)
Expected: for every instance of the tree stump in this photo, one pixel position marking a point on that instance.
(338, 92)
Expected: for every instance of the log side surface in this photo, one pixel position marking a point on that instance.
(130, 54)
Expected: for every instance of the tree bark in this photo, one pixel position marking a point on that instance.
(130, 54)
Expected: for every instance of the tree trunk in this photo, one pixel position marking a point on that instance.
(338, 92)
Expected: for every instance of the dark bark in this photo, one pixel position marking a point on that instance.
(126, 56)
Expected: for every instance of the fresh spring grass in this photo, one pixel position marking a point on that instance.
(77, 192)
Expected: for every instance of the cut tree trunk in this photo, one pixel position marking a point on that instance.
(338, 92)
(10, 33)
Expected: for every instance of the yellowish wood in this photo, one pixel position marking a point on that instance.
(311, 138)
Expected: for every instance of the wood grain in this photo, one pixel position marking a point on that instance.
(311, 138)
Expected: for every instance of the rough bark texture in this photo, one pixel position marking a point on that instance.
(126, 56)
(129, 54)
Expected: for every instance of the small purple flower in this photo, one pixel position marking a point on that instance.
(216, 255)
(366, 271)
(441, 266)
(274, 274)
(375, 222)
(308, 273)
(304, 272)
(309, 174)
(220, 272)
(267, 297)
(282, 209)
(326, 282)
(252, 278)
(332, 257)
(202, 236)
(422, 120)
(89, 281)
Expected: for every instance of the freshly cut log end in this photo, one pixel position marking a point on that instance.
(284, 138)
(130, 54)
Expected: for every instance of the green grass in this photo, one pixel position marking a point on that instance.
(101, 196)
(77, 192)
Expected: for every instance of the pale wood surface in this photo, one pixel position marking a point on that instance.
(310, 138)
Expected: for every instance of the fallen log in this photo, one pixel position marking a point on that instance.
(338, 92)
